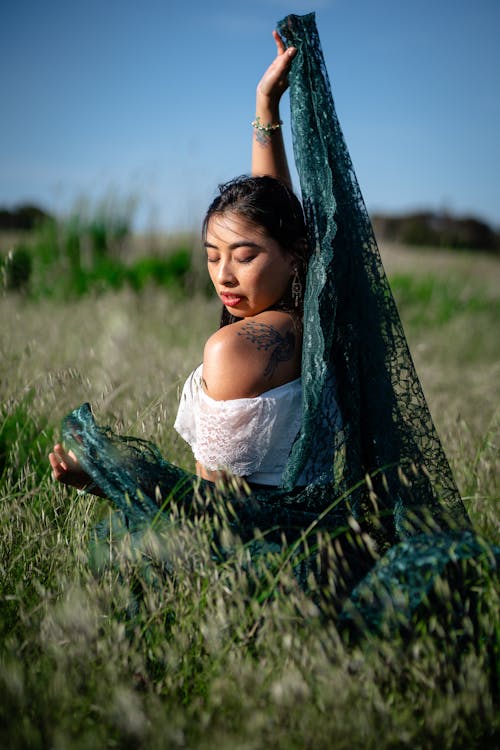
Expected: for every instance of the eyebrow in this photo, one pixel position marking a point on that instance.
(235, 245)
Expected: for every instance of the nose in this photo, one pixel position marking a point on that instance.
(225, 274)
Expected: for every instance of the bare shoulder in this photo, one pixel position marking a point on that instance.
(251, 356)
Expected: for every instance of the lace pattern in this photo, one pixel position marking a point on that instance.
(244, 435)
(353, 336)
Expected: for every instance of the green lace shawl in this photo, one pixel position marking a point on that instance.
(352, 331)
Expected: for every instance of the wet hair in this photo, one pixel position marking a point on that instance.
(270, 204)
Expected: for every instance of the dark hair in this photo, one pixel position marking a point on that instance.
(272, 205)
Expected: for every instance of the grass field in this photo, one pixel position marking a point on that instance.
(203, 662)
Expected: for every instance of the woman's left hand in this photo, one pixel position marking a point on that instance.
(268, 150)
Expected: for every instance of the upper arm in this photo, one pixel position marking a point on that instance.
(231, 369)
(249, 357)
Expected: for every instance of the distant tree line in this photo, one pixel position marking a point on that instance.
(422, 228)
(437, 229)
(25, 217)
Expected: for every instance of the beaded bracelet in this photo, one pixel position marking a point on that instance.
(266, 128)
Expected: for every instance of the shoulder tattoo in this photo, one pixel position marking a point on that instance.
(266, 337)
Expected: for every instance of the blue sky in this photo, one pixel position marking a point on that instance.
(152, 100)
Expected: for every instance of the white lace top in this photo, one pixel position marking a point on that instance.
(251, 437)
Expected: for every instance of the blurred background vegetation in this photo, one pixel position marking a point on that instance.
(94, 249)
(438, 229)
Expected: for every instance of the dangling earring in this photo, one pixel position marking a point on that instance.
(296, 287)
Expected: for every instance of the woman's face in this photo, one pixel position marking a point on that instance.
(249, 270)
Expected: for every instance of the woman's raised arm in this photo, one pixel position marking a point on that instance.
(268, 148)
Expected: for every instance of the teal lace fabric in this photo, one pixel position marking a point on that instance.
(390, 476)
(352, 331)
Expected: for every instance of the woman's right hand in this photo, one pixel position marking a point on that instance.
(274, 82)
(66, 468)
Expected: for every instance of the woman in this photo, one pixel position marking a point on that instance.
(241, 409)
(322, 412)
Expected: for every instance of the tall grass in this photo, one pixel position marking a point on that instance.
(89, 252)
(125, 653)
